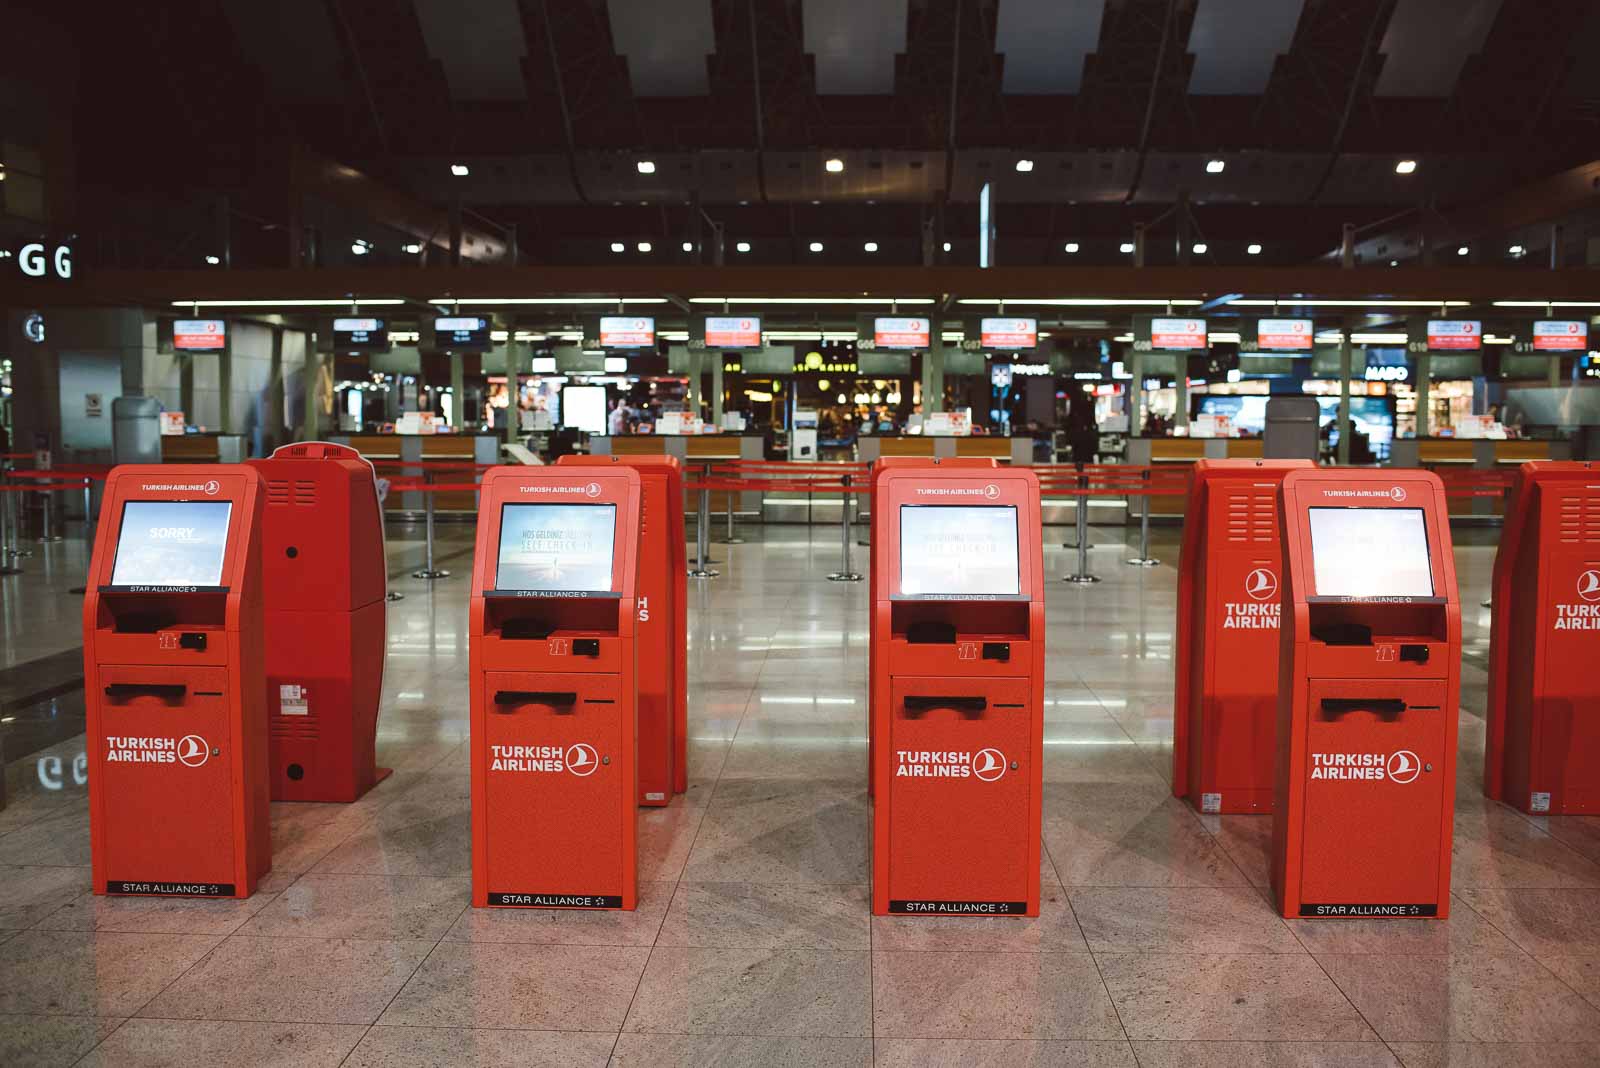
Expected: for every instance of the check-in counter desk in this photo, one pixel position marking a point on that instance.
(202, 449)
(386, 449)
(1447, 454)
(692, 450)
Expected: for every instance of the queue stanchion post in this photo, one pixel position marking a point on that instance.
(702, 533)
(731, 538)
(8, 551)
(845, 573)
(1082, 531)
(1082, 577)
(1144, 559)
(428, 571)
(48, 533)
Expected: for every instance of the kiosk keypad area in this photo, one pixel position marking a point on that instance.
(1370, 683)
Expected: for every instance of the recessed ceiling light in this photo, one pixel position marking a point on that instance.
(412, 249)
(743, 246)
(1126, 246)
(1253, 249)
(1024, 166)
(1406, 166)
(459, 170)
(1072, 246)
(688, 246)
(834, 166)
(1516, 250)
(618, 246)
(816, 246)
(1216, 166)
(214, 260)
(870, 246)
(358, 248)
(1200, 248)
(1463, 250)
(1394, 263)
(947, 246)
(646, 166)
(645, 246)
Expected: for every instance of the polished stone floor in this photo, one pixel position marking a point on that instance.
(753, 943)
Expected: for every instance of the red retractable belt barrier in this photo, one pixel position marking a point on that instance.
(173, 684)
(1225, 705)
(1542, 749)
(1370, 696)
(325, 578)
(663, 624)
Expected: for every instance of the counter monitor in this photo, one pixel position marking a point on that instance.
(561, 548)
(627, 332)
(959, 551)
(171, 543)
(1370, 553)
(199, 335)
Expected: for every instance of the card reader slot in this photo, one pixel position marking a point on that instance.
(965, 703)
(554, 698)
(1388, 708)
(166, 690)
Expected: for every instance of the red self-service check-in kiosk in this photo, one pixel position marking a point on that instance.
(957, 691)
(325, 578)
(551, 645)
(879, 466)
(1542, 750)
(1370, 681)
(662, 636)
(173, 684)
(1225, 708)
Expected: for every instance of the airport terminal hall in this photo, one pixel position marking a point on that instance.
(840, 533)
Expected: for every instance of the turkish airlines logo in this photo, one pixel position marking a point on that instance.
(211, 487)
(991, 491)
(592, 490)
(193, 750)
(1589, 585)
(1397, 494)
(988, 764)
(1261, 584)
(1403, 766)
(582, 760)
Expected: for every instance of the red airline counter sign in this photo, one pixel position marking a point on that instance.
(325, 580)
(957, 691)
(1370, 686)
(173, 684)
(663, 624)
(1542, 750)
(1225, 709)
(552, 623)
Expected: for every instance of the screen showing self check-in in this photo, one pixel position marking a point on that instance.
(171, 543)
(1370, 552)
(949, 550)
(564, 548)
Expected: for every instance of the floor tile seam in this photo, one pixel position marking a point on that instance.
(421, 962)
(1593, 1002)
(103, 1038)
(1354, 1007)
(1533, 821)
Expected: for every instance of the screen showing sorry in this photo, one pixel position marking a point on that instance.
(171, 543)
(1370, 552)
(958, 550)
(564, 547)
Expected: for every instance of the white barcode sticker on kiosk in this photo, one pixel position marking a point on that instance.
(293, 701)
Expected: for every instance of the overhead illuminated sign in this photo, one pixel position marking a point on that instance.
(199, 335)
(360, 335)
(462, 333)
(900, 333)
(1455, 334)
(1284, 335)
(627, 332)
(1009, 334)
(1177, 334)
(1560, 335)
(733, 332)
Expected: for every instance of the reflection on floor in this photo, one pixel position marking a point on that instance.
(752, 943)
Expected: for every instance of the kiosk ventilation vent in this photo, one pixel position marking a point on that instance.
(295, 727)
(282, 493)
(1580, 520)
(1253, 515)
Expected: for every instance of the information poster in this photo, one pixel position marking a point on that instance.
(199, 335)
(1560, 335)
(1284, 335)
(1177, 334)
(1009, 334)
(627, 332)
(564, 548)
(1370, 552)
(171, 543)
(959, 551)
(1455, 334)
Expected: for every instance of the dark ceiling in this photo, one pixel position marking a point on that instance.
(552, 104)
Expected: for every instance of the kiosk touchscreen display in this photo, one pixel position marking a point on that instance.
(949, 550)
(559, 548)
(171, 543)
(1370, 552)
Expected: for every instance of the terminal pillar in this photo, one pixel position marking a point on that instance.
(551, 650)
(957, 691)
(325, 577)
(1225, 707)
(1370, 689)
(173, 686)
(1542, 746)
(663, 624)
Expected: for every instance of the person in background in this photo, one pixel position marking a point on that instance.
(617, 421)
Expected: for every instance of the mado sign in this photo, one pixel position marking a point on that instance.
(39, 260)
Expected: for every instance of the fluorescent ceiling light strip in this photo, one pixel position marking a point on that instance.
(1298, 302)
(546, 300)
(339, 302)
(1086, 302)
(1547, 304)
(810, 300)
